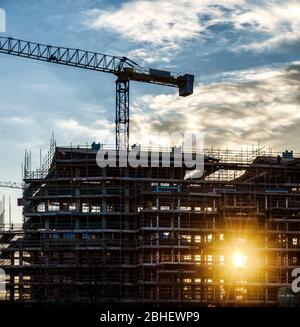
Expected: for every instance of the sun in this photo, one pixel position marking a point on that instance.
(239, 260)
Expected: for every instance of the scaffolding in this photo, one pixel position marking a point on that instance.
(148, 235)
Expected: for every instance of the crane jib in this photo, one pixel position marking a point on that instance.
(122, 67)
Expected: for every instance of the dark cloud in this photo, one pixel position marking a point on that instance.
(262, 105)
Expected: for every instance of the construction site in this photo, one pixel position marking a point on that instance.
(150, 235)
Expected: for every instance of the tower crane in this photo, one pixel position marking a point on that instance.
(125, 69)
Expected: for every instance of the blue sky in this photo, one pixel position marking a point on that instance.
(244, 55)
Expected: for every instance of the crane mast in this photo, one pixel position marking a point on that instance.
(124, 68)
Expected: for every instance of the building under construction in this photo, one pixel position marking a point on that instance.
(151, 235)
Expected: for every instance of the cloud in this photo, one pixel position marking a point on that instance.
(161, 24)
(277, 21)
(256, 105)
(268, 16)
(100, 130)
(155, 22)
(159, 29)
